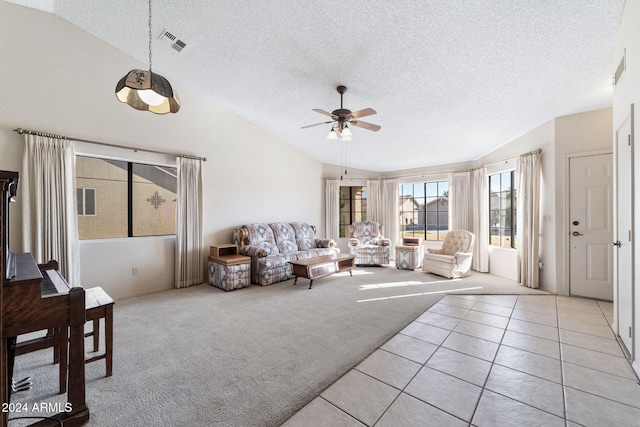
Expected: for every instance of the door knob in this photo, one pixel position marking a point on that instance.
(575, 233)
(616, 243)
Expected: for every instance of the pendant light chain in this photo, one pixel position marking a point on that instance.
(150, 35)
(145, 90)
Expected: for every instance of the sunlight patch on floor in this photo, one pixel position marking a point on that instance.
(444, 291)
(403, 283)
(358, 272)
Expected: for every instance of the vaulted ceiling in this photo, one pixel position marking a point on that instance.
(451, 80)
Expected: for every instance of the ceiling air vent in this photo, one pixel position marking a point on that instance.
(175, 42)
(620, 69)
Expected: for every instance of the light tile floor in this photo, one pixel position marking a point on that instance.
(490, 360)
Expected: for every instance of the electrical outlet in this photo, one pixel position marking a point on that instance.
(134, 271)
(540, 265)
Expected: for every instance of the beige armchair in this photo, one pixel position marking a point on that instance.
(454, 259)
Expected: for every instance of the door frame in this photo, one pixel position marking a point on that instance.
(564, 225)
(615, 326)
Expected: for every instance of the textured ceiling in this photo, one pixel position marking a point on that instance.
(451, 80)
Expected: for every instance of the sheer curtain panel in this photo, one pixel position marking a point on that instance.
(332, 209)
(480, 219)
(528, 193)
(189, 262)
(460, 198)
(374, 208)
(49, 210)
(390, 211)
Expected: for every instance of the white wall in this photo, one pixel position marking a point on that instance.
(558, 138)
(625, 93)
(590, 132)
(57, 78)
(503, 261)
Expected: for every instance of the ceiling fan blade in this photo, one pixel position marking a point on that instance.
(363, 113)
(317, 124)
(326, 113)
(365, 125)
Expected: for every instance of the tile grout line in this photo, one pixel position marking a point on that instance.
(338, 408)
(564, 386)
(423, 366)
(493, 362)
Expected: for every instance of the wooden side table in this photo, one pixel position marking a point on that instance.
(227, 269)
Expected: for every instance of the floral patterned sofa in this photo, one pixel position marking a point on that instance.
(272, 246)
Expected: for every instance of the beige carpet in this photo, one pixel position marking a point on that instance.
(251, 357)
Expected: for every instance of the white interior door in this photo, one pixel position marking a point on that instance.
(622, 241)
(591, 226)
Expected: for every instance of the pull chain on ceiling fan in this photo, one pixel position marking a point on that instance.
(342, 118)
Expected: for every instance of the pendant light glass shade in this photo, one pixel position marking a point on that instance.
(147, 91)
(332, 134)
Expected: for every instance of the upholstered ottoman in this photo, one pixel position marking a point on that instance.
(409, 257)
(227, 269)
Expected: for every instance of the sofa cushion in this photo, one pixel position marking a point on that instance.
(445, 259)
(262, 235)
(277, 260)
(305, 236)
(315, 252)
(285, 237)
(274, 268)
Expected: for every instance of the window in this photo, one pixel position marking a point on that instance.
(353, 207)
(424, 210)
(124, 199)
(502, 209)
(86, 201)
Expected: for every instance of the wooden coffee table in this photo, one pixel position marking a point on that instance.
(321, 266)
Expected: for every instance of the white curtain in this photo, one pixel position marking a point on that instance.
(189, 241)
(528, 195)
(390, 211)
(49, 209)
(332, 209)
(374, 205)
(479, 221)
(460, 198)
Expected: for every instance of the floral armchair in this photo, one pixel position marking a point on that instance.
(454, 259)
(368, 245)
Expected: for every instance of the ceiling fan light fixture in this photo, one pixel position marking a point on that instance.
(332, 134)
(341, 118)
(146, 90)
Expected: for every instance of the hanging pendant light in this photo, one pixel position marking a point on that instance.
(147, 91)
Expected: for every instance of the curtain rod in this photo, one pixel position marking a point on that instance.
(536, 151)
(51, 135)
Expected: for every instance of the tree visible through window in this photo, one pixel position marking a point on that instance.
(353, 207)
(502, 209)
(424, 209)
(124, 199)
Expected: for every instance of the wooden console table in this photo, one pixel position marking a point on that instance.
(321, 266)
